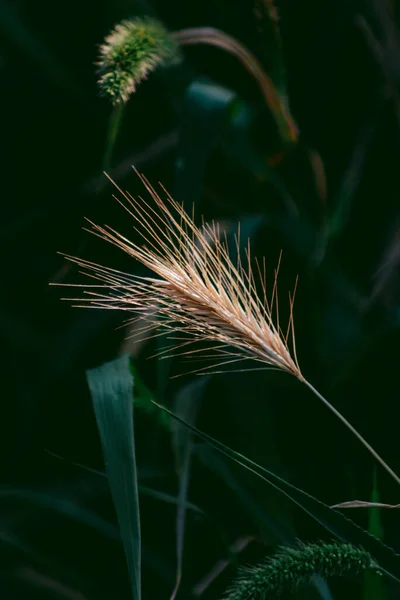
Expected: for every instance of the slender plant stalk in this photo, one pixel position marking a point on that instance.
(353, 431)
(136, 47)
(113, 128)
(213, 37)
(197, 293)
(129, 53)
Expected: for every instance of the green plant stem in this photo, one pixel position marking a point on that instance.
(353, 431)
(112, 134)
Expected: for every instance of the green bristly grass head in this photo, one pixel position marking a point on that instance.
(291, 567)
(130, 52)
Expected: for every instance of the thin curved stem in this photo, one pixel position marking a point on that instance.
(213, 37)
(112, 134)
(353, 431)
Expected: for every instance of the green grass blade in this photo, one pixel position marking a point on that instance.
(181, 513)
(169, 499)
(143, 489)
(374, 587)
(187, 404)
(330, 519)
(272, 530)
(374, 512)
(111, 387)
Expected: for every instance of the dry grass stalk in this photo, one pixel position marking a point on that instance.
(198, 292)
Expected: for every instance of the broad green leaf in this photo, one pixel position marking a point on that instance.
(330, 519)
(206, 110)
(111, 387)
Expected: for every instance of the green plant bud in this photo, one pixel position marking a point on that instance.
(130, 52)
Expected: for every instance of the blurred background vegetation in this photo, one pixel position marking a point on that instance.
(328, 198)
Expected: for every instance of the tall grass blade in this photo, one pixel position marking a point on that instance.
(187, 404)
(111, 387)
(374, 587)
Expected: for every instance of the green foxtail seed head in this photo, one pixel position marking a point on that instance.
(290, 567)
(132, 50)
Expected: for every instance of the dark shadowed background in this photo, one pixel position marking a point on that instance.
(329, 200)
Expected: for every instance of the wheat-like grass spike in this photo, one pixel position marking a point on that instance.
(196, 290)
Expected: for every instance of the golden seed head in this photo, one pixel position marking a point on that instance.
(197, 289)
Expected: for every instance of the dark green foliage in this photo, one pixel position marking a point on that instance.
(329, 201)
(331, 520)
